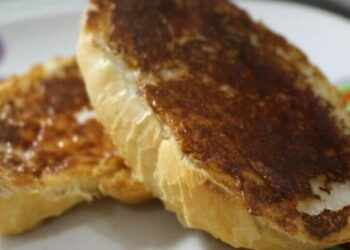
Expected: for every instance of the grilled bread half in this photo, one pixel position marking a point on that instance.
(53, 153)
(225, 121)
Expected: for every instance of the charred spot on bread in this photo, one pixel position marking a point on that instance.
(240, 103)
(39, 131)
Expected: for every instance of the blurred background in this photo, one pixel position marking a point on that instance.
(339, 6)
(22, 18)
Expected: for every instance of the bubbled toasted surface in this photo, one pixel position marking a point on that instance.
(40, 132)
(235, 98)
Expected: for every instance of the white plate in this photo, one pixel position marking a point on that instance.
(38, 32)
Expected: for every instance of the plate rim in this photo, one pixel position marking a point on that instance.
(9, 11)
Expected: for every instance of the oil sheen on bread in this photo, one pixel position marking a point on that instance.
(53, 152)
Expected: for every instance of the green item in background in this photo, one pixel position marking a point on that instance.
(344, 87)
(336, 248)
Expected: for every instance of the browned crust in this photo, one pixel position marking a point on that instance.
(39, 134)
(239, 102)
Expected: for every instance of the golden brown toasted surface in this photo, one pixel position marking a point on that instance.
(40, 130)
(233, 100)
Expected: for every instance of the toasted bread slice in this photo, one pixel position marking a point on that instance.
(229, 124)
(53, 153)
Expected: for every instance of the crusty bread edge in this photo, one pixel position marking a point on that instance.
(22, 208)
(155, 157)
(24, 204)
